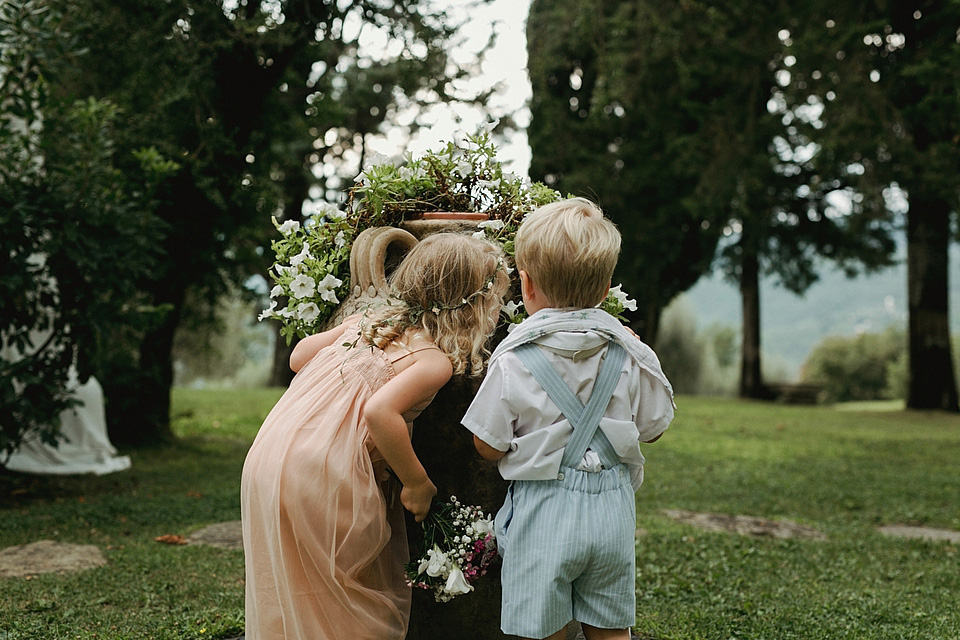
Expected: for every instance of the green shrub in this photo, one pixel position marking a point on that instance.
(697, 362)
(861, 367)
(897, 376)
(680, 349)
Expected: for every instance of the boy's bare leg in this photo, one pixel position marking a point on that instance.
(596, 633)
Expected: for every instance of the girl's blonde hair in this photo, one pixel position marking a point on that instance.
(451, 287)
(570, 250)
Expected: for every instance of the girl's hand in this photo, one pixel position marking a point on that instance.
(417, 498)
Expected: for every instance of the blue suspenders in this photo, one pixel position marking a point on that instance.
(584, 419)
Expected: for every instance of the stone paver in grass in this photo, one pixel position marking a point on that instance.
(745, 525)
(224, 535)
(48, 556)
(920, 533)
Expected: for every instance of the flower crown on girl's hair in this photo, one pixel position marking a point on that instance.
(415, 311)
(433, 291)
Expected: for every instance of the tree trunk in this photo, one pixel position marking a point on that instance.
(138, 389)
(651, 320)
(137, 396)
(931, 379)
(156, 365)
(645, 322)
(751, 381)
(280, 373)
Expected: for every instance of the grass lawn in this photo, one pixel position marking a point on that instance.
(843, 472)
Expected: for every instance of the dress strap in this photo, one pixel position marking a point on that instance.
(409, 352)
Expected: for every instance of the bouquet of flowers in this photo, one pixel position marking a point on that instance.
(458, 546)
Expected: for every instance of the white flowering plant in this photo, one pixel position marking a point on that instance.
(458, 547)
(616, 302)
(311, 274)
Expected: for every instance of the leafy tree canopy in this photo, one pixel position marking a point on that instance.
(618, 115)
(76, 233)
(886, 75)
(245, 107)
(672, 114)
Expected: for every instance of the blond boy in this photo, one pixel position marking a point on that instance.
(568, 397)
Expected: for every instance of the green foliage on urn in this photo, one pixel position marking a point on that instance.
(462, 176)
(311, 274)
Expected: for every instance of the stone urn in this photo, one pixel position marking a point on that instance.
(444, 447)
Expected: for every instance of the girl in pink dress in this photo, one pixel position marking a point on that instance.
(323, 533)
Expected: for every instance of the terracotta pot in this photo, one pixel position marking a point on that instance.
(432, 222)
(457, 216)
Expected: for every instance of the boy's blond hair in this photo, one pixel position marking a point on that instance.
(569, 250)
(451, 286)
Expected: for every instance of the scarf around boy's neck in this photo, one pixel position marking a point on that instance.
(547, 321)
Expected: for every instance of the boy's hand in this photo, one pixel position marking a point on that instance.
(417, 498)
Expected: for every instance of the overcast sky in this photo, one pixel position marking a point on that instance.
(506, 64)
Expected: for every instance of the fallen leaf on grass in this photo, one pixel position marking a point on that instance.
(171, 538)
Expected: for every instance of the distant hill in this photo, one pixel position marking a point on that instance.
(791, 326)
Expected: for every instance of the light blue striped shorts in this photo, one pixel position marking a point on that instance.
(568, 552)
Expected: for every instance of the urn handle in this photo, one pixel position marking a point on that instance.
(375, 252)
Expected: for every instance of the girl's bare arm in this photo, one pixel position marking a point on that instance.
(384, 416)
(304, 351)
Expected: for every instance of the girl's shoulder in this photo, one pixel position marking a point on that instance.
(411, 342)
(415, 347)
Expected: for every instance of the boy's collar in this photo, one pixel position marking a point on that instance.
(578, 345)
(549, 310)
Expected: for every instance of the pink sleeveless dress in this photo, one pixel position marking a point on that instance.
(323, 532)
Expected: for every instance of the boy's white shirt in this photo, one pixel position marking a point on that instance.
(513, 413)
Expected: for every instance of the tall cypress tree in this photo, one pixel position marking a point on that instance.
(673, 115)
(888, 77)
